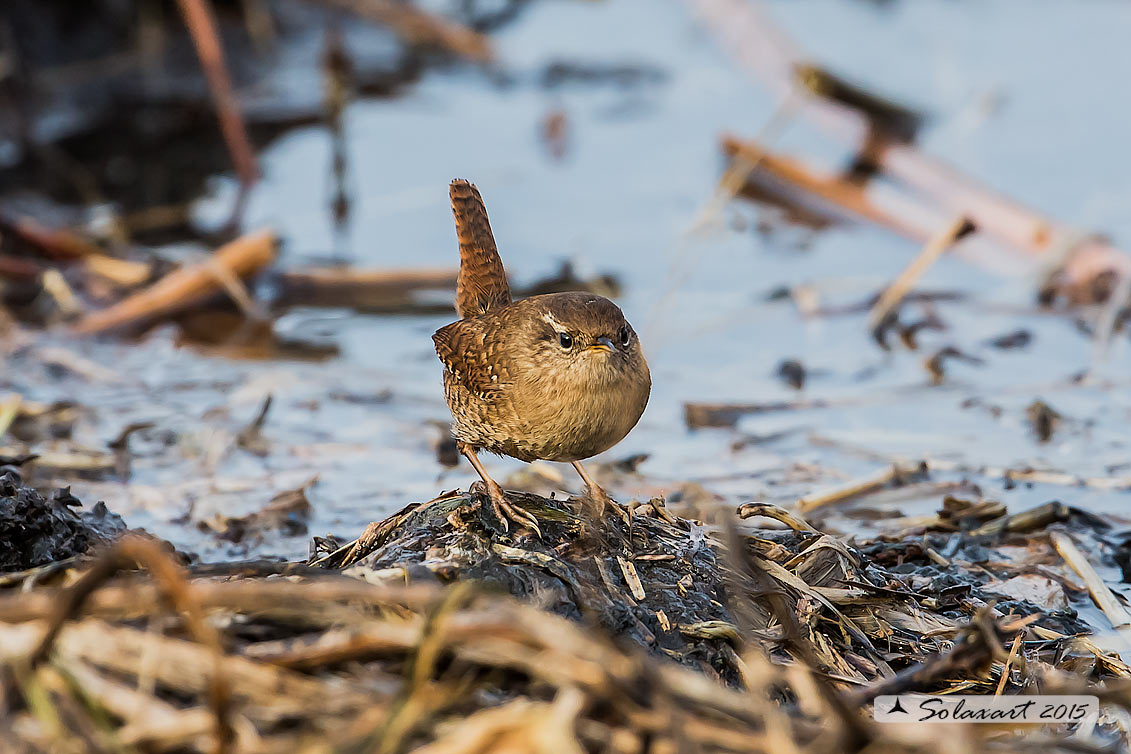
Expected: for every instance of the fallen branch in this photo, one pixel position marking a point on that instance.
(16, 268)
(181, 288)
(367, 290)
(747, 32)
(780, 179)
(831, 189)
(66, 246)
(62, 245)
(202, 28)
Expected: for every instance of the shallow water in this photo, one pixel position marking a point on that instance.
(1021, 97)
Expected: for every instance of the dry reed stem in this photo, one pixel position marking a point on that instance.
(798, 524)
(831, 188)
(241, 258)
(174, 587)
(318, 665)
(894, 293)
(852, 488)
(202, 28)
(746, 31)
(1102, 595)
(360, 288)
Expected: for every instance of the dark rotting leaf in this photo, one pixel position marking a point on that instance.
(792, 372)
(35, 530)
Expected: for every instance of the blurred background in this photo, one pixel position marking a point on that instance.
(225, 241)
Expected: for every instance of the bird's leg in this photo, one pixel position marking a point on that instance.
(501, 508)
(598, 496)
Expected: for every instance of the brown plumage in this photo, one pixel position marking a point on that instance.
(558, 377)
(482, 283)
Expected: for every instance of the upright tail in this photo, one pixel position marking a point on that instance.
(482, 284)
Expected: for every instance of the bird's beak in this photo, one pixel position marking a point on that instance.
(603, 344)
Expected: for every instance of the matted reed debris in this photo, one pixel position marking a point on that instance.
(405, 640)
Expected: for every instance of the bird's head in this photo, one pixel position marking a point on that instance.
(584, 335)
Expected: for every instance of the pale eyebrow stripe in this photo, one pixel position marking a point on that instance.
(549, 318)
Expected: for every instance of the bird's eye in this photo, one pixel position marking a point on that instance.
(566, 340)
(625, 336)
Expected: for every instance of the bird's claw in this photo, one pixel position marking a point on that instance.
(502, 511)
(602, 502)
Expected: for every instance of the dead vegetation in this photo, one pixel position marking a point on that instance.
(59, 264)
(929, 194)
(765, 634)
(429, 634)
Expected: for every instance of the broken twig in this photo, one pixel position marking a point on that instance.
(183, 287)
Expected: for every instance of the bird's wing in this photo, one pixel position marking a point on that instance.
(482, 284)
(464, 348)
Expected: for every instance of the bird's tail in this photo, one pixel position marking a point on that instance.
(482, 284)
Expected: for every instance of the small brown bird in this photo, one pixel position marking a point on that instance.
(558, 377)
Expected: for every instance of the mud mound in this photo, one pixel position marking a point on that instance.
(35, 531)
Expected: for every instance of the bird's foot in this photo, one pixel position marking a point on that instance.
(500, 511)
(602, 503)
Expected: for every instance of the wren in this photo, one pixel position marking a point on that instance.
(557, 377)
